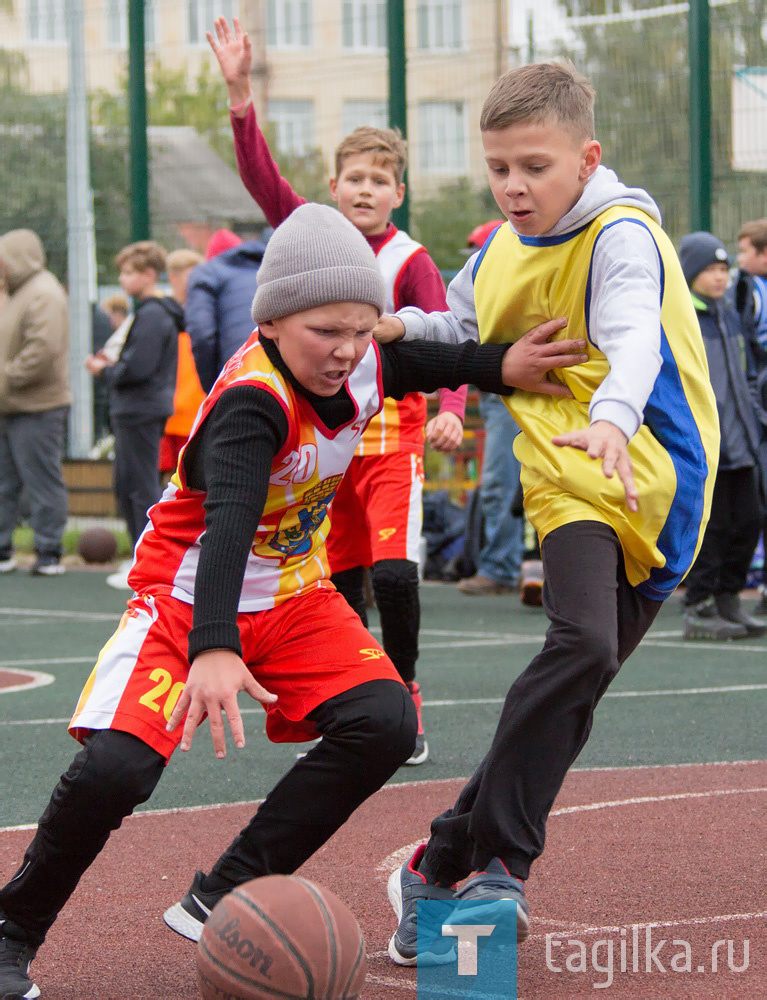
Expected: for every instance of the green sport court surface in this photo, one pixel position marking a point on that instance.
(673, 702)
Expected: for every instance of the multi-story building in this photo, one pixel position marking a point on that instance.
(320, 66)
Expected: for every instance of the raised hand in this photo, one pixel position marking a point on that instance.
(608, 442)
(528, 361)
(232, 49)
(215, 679)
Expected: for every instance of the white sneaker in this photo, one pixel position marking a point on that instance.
(8, 565)
(119, 579)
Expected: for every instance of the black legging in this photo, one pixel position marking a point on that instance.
(395, 587)
(597, 620)
(368, 733)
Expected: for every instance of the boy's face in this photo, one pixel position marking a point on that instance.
(712, 280)
(367, 192)
(178, 281)
(750, 259)
(137, 283)
(537, 172)
(323, 346)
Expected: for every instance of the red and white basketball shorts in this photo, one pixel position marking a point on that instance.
(305, 651)
(377, 512)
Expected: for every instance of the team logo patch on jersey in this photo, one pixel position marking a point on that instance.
(296, 538)
(385, 534)
(372, 654)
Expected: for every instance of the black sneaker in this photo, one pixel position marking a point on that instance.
(47, 565)
(703, 622)
(15, 956)
(486, 889)
(188, 917)
(406, 886)
(730, 608)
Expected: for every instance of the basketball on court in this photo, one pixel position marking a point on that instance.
(281, 936)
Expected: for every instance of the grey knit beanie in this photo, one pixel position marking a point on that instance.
(697, 251)
(314, 257)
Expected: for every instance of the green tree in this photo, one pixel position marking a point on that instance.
(443, 220)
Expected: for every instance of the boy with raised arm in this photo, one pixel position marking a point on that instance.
(377, 513)
(579, 244)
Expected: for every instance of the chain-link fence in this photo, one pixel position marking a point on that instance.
(320, 68)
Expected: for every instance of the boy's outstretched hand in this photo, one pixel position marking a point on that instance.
(215, 679)
(233, 50)
(606, 441)
(529, 360)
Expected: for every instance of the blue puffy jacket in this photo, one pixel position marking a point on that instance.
(217, 308)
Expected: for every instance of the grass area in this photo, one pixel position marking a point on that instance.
(23, 541)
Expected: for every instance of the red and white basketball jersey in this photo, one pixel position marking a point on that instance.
(287, 556)
(399, 426)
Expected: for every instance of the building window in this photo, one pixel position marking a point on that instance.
(294, 121)
(289, 24)
(117, 23)
(202, 13)
(442, 137)
(440, 25)
(357, 113)
(363, 24)
(45, 21)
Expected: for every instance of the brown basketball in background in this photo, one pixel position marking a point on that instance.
(97, 545)
(281, 936)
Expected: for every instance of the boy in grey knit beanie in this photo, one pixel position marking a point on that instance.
(233, 591)
(315, 257)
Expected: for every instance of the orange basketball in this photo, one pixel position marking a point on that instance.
(281, 936)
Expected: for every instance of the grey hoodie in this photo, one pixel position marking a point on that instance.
(624, 321)
(34, 329)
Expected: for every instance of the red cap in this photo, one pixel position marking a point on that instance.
(478, 236)
(222, 239)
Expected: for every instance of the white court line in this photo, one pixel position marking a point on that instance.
(96, 616)
(48, 661)
(396, 858)
(447, 703)
(38, 679)
(645, 799)
(650, 924)
(413, 784)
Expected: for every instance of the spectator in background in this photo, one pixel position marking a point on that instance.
(219, 296)
(34, 401)
(712, 601)
(189, 394)
(749, 293)
(142, 383)
(501, 555)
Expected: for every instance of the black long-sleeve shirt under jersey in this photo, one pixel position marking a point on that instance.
(231, 456)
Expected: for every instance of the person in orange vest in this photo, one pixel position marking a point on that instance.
(189, 393)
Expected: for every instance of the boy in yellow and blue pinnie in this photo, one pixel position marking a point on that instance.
(581, 245)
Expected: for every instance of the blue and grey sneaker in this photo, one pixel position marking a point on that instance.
(188, 917)
(406, 887)
(485, 889)
(15, 956)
